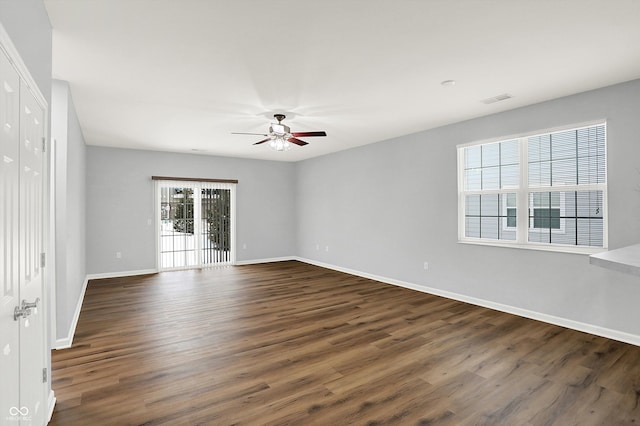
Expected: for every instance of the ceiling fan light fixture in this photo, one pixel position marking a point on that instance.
(279, 144)
(280, 136)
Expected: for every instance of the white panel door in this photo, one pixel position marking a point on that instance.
(9, 221)
(32, 343)
(22, 338)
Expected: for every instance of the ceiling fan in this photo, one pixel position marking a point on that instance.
(280, 135)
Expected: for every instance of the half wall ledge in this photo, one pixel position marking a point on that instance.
(626, 259)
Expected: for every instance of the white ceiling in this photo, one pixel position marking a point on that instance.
(181, 75)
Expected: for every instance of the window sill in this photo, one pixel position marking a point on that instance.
(626, 259)
(539, 247)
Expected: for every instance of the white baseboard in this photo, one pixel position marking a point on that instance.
(121, 274)
(66, 342)
(270, 260)
(550, 319)
(538, 316)
(51, 404)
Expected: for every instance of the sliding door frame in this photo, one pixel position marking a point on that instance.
(197, 185)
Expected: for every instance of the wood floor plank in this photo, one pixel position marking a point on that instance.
(291, 343)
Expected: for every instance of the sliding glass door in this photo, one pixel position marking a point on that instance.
(215, 220)
(195, 224)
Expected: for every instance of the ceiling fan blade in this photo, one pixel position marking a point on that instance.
(255, 134)
(298, 141)
(262, 141)
(307, 134)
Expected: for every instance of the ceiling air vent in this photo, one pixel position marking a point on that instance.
(495, 99)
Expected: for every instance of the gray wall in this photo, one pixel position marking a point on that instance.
(385, 208)
(120, 204)
(70, 210)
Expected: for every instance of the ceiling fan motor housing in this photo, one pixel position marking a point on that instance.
(279, 130)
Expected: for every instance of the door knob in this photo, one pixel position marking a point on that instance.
(27, 305)
(21, 313)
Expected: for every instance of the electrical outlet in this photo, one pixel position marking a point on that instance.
(118, 255)
(426, 265)
(326, 248)
(244, 246)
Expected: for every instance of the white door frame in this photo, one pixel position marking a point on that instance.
(48, 279)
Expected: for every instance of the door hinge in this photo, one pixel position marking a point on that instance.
(43, 260)
(44, 375)
(44, 144)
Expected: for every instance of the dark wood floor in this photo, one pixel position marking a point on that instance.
(290, 343)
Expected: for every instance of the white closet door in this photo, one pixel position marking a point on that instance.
(9, 222)
(32, 344)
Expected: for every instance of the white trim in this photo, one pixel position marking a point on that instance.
(270, 260)
(121, 274)
(558, 248)
(550, 319)
(51, 244)
(522, 197)
(51, 403)
(157, 214)
(525, 313)
(66, 342)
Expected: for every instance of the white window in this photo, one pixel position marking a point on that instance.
(545, 191)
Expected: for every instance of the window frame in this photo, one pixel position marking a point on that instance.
(523, 191)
